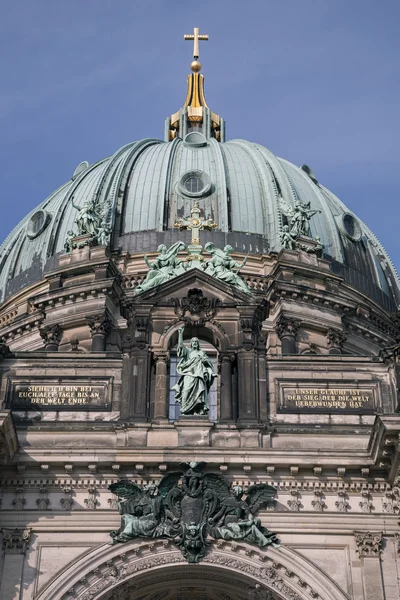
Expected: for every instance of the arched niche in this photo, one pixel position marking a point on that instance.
(210, 332)
(144, 569)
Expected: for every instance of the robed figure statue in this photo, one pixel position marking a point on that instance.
(196, 377)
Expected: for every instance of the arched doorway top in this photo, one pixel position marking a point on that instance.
(114, 571)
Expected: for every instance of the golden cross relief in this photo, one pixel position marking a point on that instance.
(195, 224)
(196, 37)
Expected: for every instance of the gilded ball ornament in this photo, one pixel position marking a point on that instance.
(195, 66)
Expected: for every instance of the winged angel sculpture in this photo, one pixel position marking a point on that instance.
(189, 505)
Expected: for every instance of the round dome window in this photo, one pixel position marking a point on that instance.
(350, 227)
(195, 184)
(37, 223)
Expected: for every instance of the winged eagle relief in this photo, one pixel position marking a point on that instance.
(187, 507)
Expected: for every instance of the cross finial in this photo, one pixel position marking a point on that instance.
(196, 37)
(195, 224)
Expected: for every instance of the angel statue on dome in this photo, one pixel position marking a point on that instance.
(196, 377)
(164, 267)
(88, 219)
(222, 266)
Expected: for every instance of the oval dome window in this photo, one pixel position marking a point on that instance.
(37, 223)
(195, 184)
(350, 227)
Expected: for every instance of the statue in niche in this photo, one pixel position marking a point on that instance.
(196, 377)
(300, 215)
(190, 505)
(164, 267)
(221, 266)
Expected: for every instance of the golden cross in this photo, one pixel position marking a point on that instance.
(195, 224)
(196, 37)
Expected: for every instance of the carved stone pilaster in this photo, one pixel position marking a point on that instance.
(336, 340)
(247, 333)
(16, 541)
(286, 329)
(368, 543)
(99, 326)
(52, 335)
(161, 360)
(143, 330)
(225, 362)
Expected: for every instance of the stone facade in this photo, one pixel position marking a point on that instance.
(305, 400)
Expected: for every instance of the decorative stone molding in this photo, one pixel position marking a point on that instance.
(113, 572)
(336, 338)
(286, 327)
(113, 502)
(99, 324)
(366, 504)
(16, 541)
(318, 503)
(368, 543)
(67, 501)
(342, 503)
(52, 335)
(227, 358)
(43, 501)
(91, 501)
(200, 308)
(143, 330)
(397, 542)
(19, 501)
(295, 503)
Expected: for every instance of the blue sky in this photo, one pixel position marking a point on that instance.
(316, 81)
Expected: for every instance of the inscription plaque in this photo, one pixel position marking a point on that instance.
(52, 396)
(307, 399)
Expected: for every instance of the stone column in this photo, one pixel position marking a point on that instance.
(336, 339)
(286, 329)
(99, 326)
(15, 545)
(161, 395)
(51, 335)
(369, 548)
(225, 360)
(247, 386)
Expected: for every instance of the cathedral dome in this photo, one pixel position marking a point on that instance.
(249, 192)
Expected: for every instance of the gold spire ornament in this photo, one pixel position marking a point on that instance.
(195, 115)
(196, 37)
(195, 224)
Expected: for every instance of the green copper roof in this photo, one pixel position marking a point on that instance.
(246, 189)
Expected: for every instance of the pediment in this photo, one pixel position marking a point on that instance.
(179, 286)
